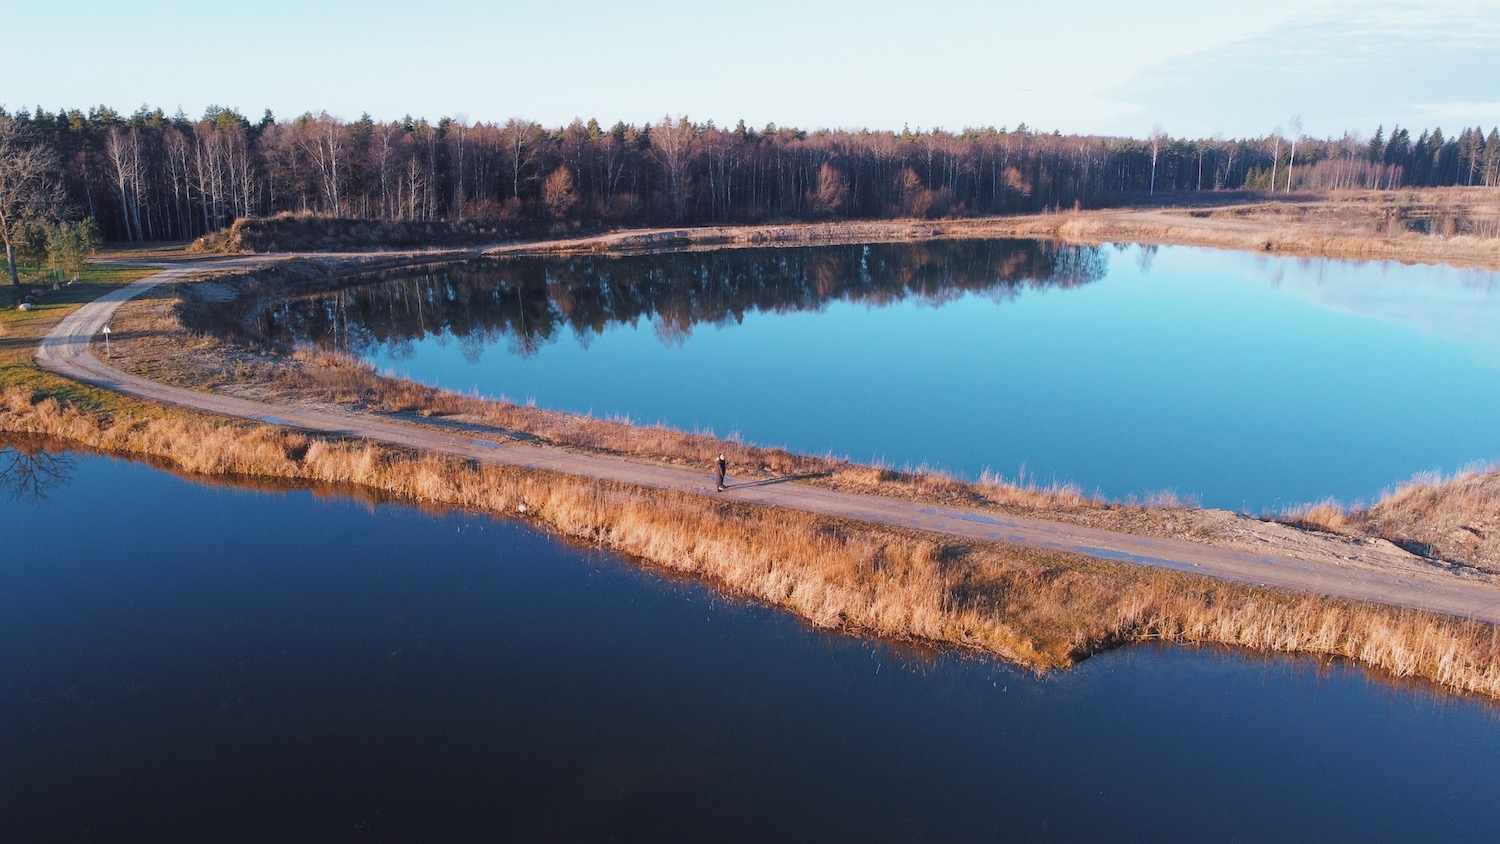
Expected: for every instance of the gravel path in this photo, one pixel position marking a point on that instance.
(67, 350)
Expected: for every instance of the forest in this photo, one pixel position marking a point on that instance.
(150, 177)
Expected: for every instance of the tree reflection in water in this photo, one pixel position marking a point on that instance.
(28, 473)
(526, 303)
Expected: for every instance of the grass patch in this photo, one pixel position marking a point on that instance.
(21, 331)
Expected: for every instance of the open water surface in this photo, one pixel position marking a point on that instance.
(1248, 382)
(203, 663)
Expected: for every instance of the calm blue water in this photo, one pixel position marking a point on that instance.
(194, 663)
(1247, 381)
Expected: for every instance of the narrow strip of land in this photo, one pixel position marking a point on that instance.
(67, 351)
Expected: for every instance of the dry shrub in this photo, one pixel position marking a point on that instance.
(1326, 515)
(1455, 519)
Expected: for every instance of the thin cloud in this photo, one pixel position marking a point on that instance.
(1336, 65)
(1459, 110)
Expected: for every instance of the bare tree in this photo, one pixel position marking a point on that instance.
(29, 188)
(123, 146)
(522, 139)
(1219, 146)
(1154, 142)
(670, 144)
(558, 194)
(323, 141)
(382, 153)
(831, 193)
(1275, 154)
(311, 154)
(1296, 135)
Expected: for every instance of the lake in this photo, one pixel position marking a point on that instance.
(208, 663)
(1249, 382)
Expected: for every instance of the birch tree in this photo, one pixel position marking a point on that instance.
(322, 140)
(123, 147)
(670, 144)
(1296, 135)
(521, 138)
(1154, 142)
(1275, 154)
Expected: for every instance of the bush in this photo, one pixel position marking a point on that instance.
(69, 245)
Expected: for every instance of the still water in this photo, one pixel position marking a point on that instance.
(1246, 381)
(187, 662)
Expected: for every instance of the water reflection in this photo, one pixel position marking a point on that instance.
(527, 303)
(28, 471)
(1451, 305)
(1126, 369)
(281, 667)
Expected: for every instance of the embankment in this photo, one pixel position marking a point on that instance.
(1458, 226)
(1038, 609)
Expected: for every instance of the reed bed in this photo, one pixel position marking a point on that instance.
(1034, 608)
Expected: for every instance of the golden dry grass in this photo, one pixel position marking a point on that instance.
(1038, 609)
(1455, 519)
(329, 377)
(1326, 515)
(1355, 224)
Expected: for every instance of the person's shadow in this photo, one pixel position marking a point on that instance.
(773, 481)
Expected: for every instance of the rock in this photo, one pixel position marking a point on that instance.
(24, 306)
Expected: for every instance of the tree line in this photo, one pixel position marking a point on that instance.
(147, 176)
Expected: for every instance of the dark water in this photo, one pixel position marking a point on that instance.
(184, 662)
(1246, 381)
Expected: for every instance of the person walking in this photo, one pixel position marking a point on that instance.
(722, 466)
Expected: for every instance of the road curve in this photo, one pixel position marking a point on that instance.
(66, 350)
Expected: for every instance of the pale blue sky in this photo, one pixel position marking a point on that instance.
(1095, 66)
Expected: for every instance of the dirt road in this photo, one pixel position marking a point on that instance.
(67, 350)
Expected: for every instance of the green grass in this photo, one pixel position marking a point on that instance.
(21, 331)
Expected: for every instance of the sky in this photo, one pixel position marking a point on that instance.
(1107, 67)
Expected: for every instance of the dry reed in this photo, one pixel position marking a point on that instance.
(1039, 609)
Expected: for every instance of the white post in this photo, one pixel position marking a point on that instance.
(106, 343)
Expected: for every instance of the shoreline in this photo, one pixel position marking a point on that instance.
(1353, 224)
(314, 381)
(1078, 648)
(1283, 227)
(1039, 609)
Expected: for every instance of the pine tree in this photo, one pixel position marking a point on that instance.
(1492, 159)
